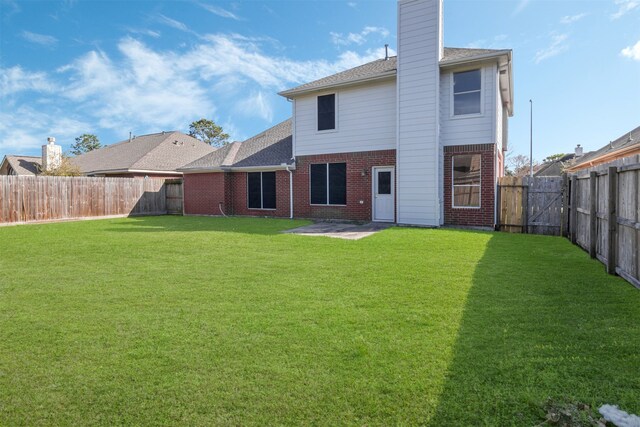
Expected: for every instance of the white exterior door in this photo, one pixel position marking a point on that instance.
(383, 194)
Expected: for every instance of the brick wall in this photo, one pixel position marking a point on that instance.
(203, 192)
(359, 188)
(480, 217)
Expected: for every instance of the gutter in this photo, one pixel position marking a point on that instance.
(110, 171)
(266, 168)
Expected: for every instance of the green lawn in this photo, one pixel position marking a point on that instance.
(203, 321)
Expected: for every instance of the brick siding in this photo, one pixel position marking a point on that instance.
(203, 192)
(359, 190)
(479, 217)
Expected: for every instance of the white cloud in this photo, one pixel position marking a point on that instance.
(357, 38)
(570, 19)
(352, 4)
(146, 90)
(520, 7)
(558, 45)
(41, 39)
(15, 79)
(632, 52)
(624, 7)
(163, 19)
(220, 11)
(256, 105)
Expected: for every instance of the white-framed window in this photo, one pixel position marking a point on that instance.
(261, 190)
(467, 173)
(326, 112)
(328, 183)
(467, 93)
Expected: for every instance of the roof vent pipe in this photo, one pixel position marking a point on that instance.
(578, 151)
(386, 52)
(129, 136)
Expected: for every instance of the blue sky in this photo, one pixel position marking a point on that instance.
(111, 67)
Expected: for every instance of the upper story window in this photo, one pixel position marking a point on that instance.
(466, 180)
(467, 87)
(327, 112)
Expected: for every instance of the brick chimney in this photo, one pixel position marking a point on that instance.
(51, 155)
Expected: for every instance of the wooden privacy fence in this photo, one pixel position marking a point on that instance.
(604, 217)
(31, 198)
(529, 205)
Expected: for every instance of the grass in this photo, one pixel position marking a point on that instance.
(201, 321)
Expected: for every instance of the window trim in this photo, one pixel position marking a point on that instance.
(262, 192)
(453, 185)
(452, 97)
(327, 168)
(335, 112)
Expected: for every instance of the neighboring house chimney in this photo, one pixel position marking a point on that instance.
(51, 155)
(420, 49)
(579, 151)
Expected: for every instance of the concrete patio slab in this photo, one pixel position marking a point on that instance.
(340, 230)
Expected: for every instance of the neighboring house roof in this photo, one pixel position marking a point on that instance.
(22, 165)
(157, 152)
(556, 167)
(387, 68)
(626, 145)
(269, 149)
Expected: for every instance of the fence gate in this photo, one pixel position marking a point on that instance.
(530, 205)
(174, 196)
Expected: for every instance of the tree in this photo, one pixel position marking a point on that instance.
(66, 168)
(85, 143)
(553, 157)
(208, 131)
(518, 164)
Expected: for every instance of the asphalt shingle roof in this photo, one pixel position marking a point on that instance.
(165, 151)
(272, 147)
(25, 165)
(381, 67)
(625, 141)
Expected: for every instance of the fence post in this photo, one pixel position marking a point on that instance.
(525, 204)
(498, 206)
(613, 220)
(564, 220)
(593, 214)
(574, 210)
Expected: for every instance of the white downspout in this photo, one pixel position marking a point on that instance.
(290, 192)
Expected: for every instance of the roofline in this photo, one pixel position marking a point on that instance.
(107, 171)
(295, 92)
(604, 158)
(476, 58)
(266, 168)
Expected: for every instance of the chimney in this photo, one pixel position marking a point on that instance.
(418, 83)
(578, 150)
(386, 52)
(51, 155)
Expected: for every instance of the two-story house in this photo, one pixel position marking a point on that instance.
(413, 139)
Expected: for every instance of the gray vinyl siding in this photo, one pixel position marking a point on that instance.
(419, 51)
(365, 121)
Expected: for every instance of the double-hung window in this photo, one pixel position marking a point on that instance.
(329, 184)
(466, 180)
(327, 112)
(261, 190)
(467, 89)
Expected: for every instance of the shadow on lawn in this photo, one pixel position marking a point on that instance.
(541, 322)
(176, 223)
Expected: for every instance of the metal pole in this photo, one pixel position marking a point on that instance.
(531, 140)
